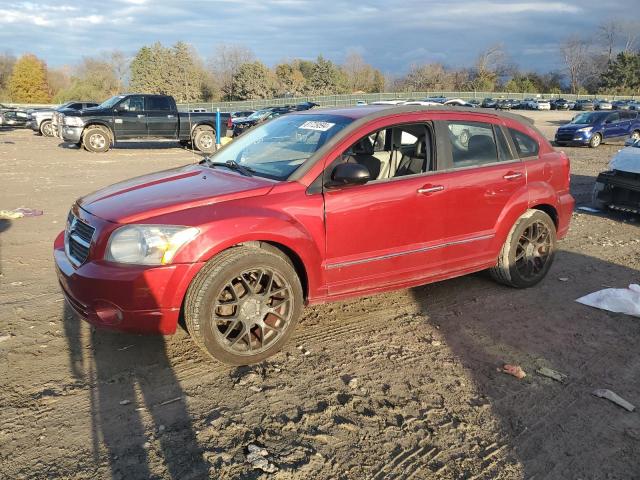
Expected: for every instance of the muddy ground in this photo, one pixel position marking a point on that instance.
(401, 385)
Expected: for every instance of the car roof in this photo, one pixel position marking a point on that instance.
(370, 112)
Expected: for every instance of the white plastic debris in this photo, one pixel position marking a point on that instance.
(619, 300)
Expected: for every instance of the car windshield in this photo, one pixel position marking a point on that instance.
(279, 147)
(259, 114)
(586, 118)
(111, 102)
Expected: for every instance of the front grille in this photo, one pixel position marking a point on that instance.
(564, 136)
(78, 239)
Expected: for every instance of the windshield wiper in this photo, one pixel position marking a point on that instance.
(230, 164)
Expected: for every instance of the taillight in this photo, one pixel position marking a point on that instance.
(229, 123)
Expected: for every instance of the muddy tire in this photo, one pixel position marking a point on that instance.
(204, 139)
(46, 128)
(595, 141)
(96, 139)
(528, 252)
(243, 305)
(595, 202)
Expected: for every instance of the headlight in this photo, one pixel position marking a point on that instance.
(73, 121)
(585, 129)
(148, 244)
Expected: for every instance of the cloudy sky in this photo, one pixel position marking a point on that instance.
(390, 34)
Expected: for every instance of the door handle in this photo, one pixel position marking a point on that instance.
(430, 189)
(140, 115)
(169, 116)
(512, 175)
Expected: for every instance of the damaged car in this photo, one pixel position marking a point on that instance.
(619, 187)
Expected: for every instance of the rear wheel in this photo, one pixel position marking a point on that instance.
(46, 128)
(528, 252)
(595, 141)
(243, 306)
(96, 139)
(205, 139)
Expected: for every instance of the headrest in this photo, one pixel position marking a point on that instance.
(482, 144)
(364, 146)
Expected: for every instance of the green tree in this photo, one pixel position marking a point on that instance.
(95, 80)
(623, 74)
(254, 80)
(327, 78)
(7, 61)
(28, 82)
(520, 83)
(291, 81)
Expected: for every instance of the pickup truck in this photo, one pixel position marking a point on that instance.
(139, 117)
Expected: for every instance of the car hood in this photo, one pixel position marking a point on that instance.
(169, 191)
(626, 160)
(574, 126)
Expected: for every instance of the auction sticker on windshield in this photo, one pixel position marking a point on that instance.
(319, 126)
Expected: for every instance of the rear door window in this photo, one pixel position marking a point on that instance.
(471, 143)
(158, 104)
(525, 145)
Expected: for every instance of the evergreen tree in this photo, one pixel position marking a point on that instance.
(28, 82)
(254, 80)
(326, 78)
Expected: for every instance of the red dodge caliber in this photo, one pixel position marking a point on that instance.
(312, 207)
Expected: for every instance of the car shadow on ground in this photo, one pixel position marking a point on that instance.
(553, 430)
(138, 408)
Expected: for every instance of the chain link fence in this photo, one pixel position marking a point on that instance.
(352, 99)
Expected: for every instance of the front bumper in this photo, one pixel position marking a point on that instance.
(129, 298)
(70, 134)
(33, 125)
(573, 138)
(621, 190)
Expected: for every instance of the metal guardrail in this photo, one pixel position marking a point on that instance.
(352, 99)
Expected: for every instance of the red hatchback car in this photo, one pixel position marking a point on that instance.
(312, 207)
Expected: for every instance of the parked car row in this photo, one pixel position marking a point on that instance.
(240, 124)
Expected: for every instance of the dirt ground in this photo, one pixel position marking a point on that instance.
(401, 385)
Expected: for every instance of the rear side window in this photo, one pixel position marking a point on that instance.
(525, 145)
(158, 103)
(472, 144)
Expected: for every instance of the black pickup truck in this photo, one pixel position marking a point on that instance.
(139, 117)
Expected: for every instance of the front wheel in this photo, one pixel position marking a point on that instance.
(205, 140)
(595, 141)
(636, 135)
(528, 252)
(595, 201)
(243, 306)
(96, 139)
(46, 128)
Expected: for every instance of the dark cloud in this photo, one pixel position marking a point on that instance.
(390, 34)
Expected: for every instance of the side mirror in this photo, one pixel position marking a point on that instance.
(349, 174)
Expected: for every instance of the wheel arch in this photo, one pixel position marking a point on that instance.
(549, 210)
(97, 123)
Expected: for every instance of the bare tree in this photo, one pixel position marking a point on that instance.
(225, 63)
(575, 53)
(608, 33)
(630, 34)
